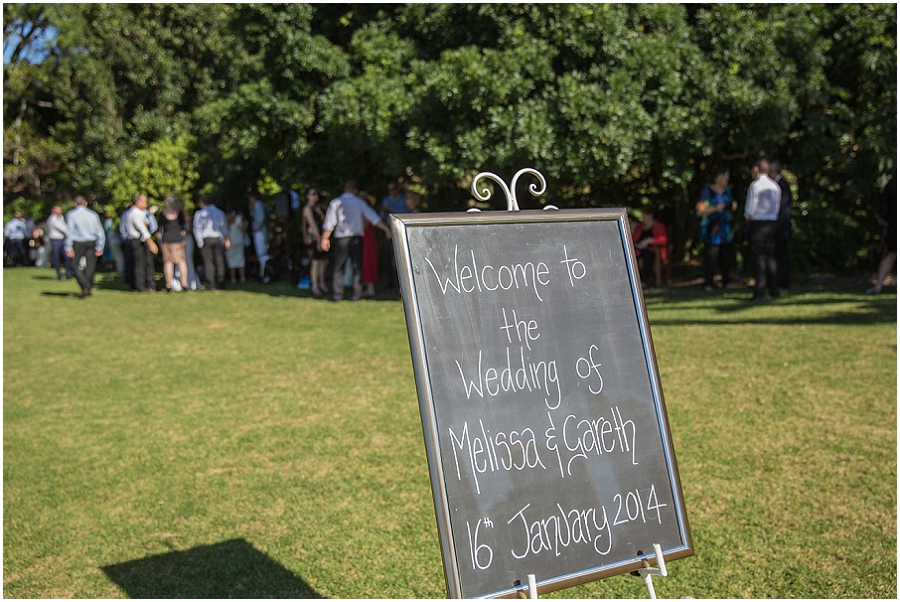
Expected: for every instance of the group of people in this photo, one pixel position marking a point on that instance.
(18, 235)
(220, 238)
(767, 223)
(344, 232)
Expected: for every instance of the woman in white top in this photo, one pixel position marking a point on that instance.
(234, 256)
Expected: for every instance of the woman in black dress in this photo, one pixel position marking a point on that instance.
(313, 218)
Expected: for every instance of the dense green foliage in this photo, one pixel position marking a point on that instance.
(617, 105)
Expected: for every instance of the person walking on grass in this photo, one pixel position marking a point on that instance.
(85, 240)
(346, 218)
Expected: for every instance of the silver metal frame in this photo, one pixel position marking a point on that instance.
(399, 227)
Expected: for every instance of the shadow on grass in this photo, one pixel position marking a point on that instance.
(849, 309)
(74, 294)
(112, 281)
(231, 569)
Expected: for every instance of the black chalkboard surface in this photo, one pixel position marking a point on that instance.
(544, 421)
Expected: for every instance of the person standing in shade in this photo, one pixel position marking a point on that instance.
(56, 230)
(345, 218)
(259, 230)
(84, 240)
(887, 218)
(370, 253)
(783, 227)
(394, 202)
(311, 225)
(113, 248)
(153, 227)
(141, 242)
(650, 240)
(29, 238)
(234, 257)
(189, 245)
(715, 210)
(15, 233)
(761, 213)
(211, 234)
(128, 272)
(171, 235)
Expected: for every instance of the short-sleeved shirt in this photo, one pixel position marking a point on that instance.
(393, 205)
(716, 228)
(347, 216)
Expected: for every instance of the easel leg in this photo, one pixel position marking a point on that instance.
(648, 581)
(647, 572)
(532, 589)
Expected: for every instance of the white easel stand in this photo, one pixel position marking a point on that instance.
(647, 572)
(532, 589)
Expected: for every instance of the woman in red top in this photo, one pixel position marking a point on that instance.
(649, 238)
(370, 253)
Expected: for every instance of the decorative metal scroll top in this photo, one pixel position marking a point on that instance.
(484, 193)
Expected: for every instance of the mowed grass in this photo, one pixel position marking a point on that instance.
(260, 443)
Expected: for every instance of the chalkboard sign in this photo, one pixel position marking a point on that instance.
(544, 421)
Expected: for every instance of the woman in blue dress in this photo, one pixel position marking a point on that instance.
(715, 209)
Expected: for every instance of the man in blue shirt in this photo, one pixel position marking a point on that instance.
(394, 202)
(346, 219)
(211, 234)
(14, 236)
(84, 238)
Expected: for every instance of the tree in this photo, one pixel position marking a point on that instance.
(617, 105)
(165, 167)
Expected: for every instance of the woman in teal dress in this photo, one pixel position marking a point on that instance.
(715, 209)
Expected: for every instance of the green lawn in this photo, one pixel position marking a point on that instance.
(260, 443)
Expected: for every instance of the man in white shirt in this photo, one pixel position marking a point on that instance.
(143, 248)
(56, 230)
(346, 219)
(761, 213)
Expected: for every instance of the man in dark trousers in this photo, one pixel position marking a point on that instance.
(143, 248)
(85, 239)
(346, 219)
(761, 213)
(211, 234)
(783, 227)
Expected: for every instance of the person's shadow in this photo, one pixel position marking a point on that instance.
(230, 569)
(76, 295)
